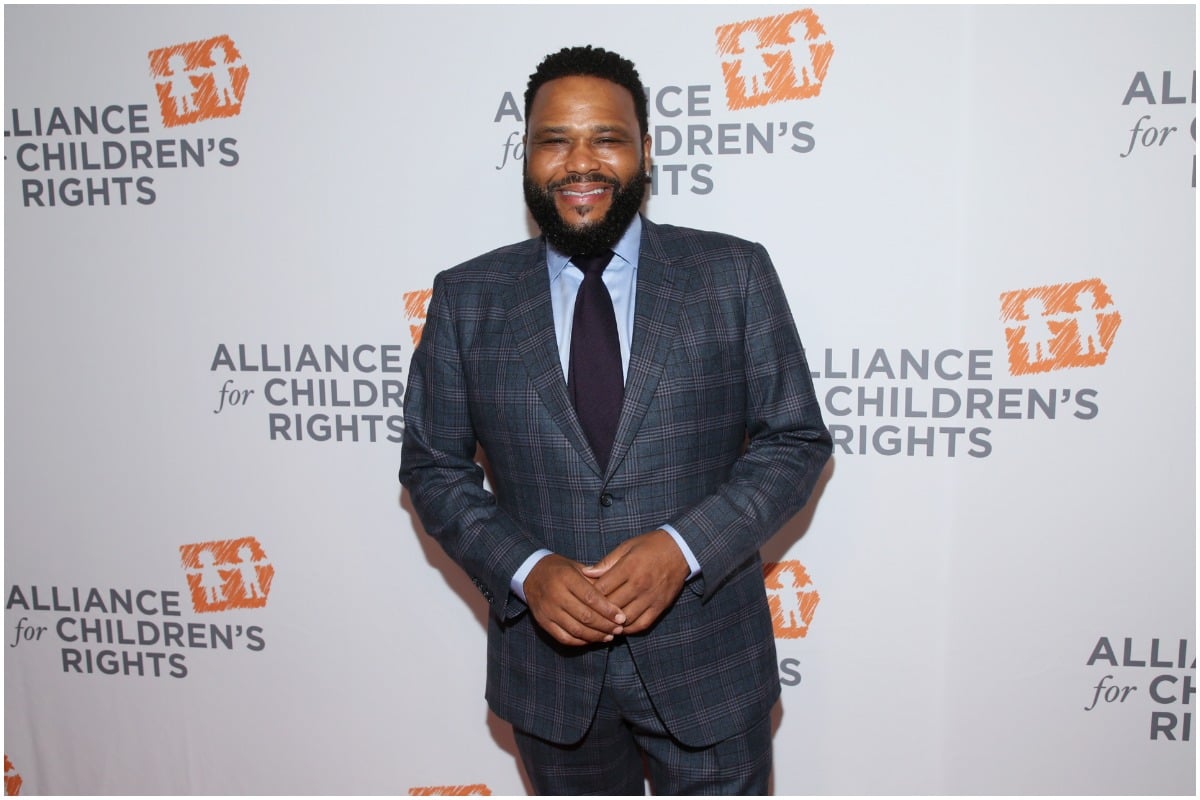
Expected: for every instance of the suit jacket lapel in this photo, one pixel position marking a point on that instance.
(532, 322)
(660, 292)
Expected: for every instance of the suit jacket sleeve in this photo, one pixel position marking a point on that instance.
(787, 441)
(439, 469)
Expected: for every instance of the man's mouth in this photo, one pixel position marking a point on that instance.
(589, 193)
(582, 197)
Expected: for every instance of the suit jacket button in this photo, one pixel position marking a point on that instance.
(606, 500)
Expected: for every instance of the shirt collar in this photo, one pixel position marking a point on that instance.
(626, 249)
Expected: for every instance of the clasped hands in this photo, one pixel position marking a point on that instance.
(624, 592)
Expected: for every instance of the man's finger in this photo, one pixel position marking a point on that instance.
(567, 605)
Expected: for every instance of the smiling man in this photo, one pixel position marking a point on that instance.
(645, 404)
(586, 155)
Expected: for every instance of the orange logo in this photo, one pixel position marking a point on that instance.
(231, 574)
(12, 781)
(791, 598)
(474, 788)
(416, 307)
(1059, 326)
(199, 80)
(773, 59)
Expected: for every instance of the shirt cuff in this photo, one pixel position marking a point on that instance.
(517, 584)
(693, 564)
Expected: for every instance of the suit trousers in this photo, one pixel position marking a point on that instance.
(627, 741)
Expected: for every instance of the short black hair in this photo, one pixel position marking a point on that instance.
(595, 62)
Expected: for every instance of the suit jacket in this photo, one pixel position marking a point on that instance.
(720, 435)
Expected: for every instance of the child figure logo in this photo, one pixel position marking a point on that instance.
(1058, 327)
(461, 791)
(12, 781)
(773, 59)
(416, 307)
(791, 598)
(227, 574)
(199, 80)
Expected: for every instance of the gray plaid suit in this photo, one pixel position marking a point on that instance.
(720, 435)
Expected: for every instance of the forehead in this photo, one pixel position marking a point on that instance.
(579, 99)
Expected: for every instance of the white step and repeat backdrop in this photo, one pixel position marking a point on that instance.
(221, 226)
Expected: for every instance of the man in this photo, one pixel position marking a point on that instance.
(619, 553)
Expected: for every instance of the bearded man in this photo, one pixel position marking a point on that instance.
(644, 402)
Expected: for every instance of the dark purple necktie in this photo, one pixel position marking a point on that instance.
(595, 379)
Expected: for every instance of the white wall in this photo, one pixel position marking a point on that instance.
(949, 157)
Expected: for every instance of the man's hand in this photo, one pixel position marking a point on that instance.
(643, 576)
(568, 606)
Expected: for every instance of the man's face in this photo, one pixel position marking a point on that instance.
(585, 161)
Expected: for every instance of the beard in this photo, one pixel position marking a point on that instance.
(586, 237)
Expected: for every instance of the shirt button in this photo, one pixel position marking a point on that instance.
(606, 500)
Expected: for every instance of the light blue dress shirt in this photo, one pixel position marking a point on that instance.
(620, 278)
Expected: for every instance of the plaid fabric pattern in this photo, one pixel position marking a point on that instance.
(720, 435)
(628, 741)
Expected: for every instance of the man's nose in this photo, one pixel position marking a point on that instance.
(582, 158)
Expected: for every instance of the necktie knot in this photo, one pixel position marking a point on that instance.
(593, 262)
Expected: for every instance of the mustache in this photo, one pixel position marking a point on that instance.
(571, 179)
